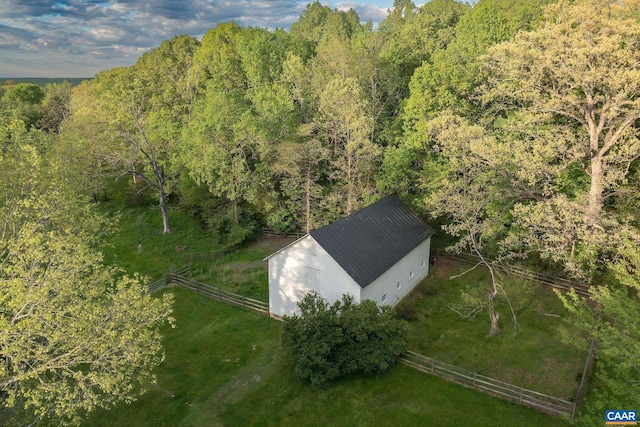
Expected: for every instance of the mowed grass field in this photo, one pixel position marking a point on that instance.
(224, 367)
(536, 357)
(140, 246)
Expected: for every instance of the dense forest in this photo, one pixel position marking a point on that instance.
(514, 124)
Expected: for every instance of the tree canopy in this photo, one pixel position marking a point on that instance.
(74, 334)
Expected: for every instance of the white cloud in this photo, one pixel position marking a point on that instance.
(41, 36)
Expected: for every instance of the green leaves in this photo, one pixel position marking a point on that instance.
(610, 318)
(328, 341)
(74, 334)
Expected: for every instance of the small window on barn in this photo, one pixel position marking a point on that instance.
(411, 273)
(384, 298)
(424, 263)
(398, 285)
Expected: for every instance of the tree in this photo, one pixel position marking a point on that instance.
(74, 335)
(577, 75)
(346, 127)
(244, 112)
(217, 148)
(329, 341)
(317, 22)
(580, 70)
(461, 187)
(545, 169)
(299, 167)
(25, 100)
(449, 78)
(56, 106)
(86, 143)
(29, 93)
(610, 318)
(145, 107)
(412, 35)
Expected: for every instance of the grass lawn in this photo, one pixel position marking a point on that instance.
(140, 246)
(535, 358)
(224, 366)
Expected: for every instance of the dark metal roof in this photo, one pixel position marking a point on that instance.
(369, 242)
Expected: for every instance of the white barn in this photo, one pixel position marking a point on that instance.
(379, 253)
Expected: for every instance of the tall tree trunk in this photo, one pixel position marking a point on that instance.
(162, 198)
(493, 315)
(166, 228)
(308, 202)
(349, 184)
(594, 208)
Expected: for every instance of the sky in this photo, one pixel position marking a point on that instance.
(79, 38)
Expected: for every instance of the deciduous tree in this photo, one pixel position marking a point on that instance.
(56, 106)
(145, 107)
(346, 127)
(25, 99)
(580, 70)
(461, 187)
(74, 335)
(609, 317)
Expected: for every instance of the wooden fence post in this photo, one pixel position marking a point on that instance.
(586, 372)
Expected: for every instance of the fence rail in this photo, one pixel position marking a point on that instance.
(218, 293)
(157, 285)
(179, 278)
(162, 283)
(516, 270)
(540, 401)
(473, 380)
(272, 233)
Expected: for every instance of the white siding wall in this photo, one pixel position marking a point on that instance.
(409, 271)
(306, 267)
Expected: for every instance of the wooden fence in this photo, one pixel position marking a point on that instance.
(516, 270)
(293, 234)
(523, 396)
(164, 282)
(157, 285)
(218, 293)
(179, 278)
(469, 379)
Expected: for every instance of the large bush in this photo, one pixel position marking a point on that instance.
(328, 341)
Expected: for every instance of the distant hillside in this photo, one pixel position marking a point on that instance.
(41, 81)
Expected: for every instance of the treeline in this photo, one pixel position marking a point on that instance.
(475, 114)
(289, 130)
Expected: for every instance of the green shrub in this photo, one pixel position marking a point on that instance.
(329, 341)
